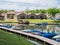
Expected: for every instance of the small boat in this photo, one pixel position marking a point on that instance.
(44, 34)
(18, 27)
(49, 35)
(57, 38)
(5, 25)
(44, 23)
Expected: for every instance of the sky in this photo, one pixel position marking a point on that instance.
(21, 5)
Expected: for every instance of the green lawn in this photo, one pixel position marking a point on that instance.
(7, 38)
(31, 21)
(38, 20)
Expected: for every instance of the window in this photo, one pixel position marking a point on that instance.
(32, 17)
(22, 17)
(1, 17)
(43, 17)
(10, 16)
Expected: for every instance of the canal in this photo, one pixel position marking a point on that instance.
(42, 28)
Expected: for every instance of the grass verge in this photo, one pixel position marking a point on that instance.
(7, 38)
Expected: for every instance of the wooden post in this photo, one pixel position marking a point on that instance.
(27, 37)
(35, 39)
(20, 34)
(44, 43)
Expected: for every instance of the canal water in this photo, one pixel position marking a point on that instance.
(45, 28)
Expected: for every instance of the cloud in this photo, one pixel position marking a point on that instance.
(31, 4)
(12, 7)
(26, 1)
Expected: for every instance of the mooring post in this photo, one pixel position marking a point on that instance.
(27, 37)
(20, 34)
(44, 43)
(35, 39)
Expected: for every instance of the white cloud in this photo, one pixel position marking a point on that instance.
(6, 6)
(26, 1)
(38, 2)
(32, 4)
(34, 1)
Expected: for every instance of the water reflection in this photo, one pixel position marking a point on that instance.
(43, 28)
(47, 28)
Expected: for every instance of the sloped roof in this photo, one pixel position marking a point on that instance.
(10, 12)
(2, 14)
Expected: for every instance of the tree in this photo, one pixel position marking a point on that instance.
(3, 11)
(37, 11)
(27, 10)
(12, 10)
(43, 11)
(33, 11)
(0, 12)
(52, 11)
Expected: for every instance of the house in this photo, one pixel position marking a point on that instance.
(42, 16)
(13, 16)
(2, 16)
(10, 16)
(31, 16)
(22, 15)
(57, 16)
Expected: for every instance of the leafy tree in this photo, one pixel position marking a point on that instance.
(3, 11)
(37, 11)
(43, 11)
(32, 11)
(12, 10)
(52, 11)
(27, 11)
(0, 11)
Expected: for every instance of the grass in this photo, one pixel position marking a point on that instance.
(9, 20)
(38, 20)
(7, 38)
(30, 20)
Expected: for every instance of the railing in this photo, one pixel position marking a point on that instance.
(45, 40)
